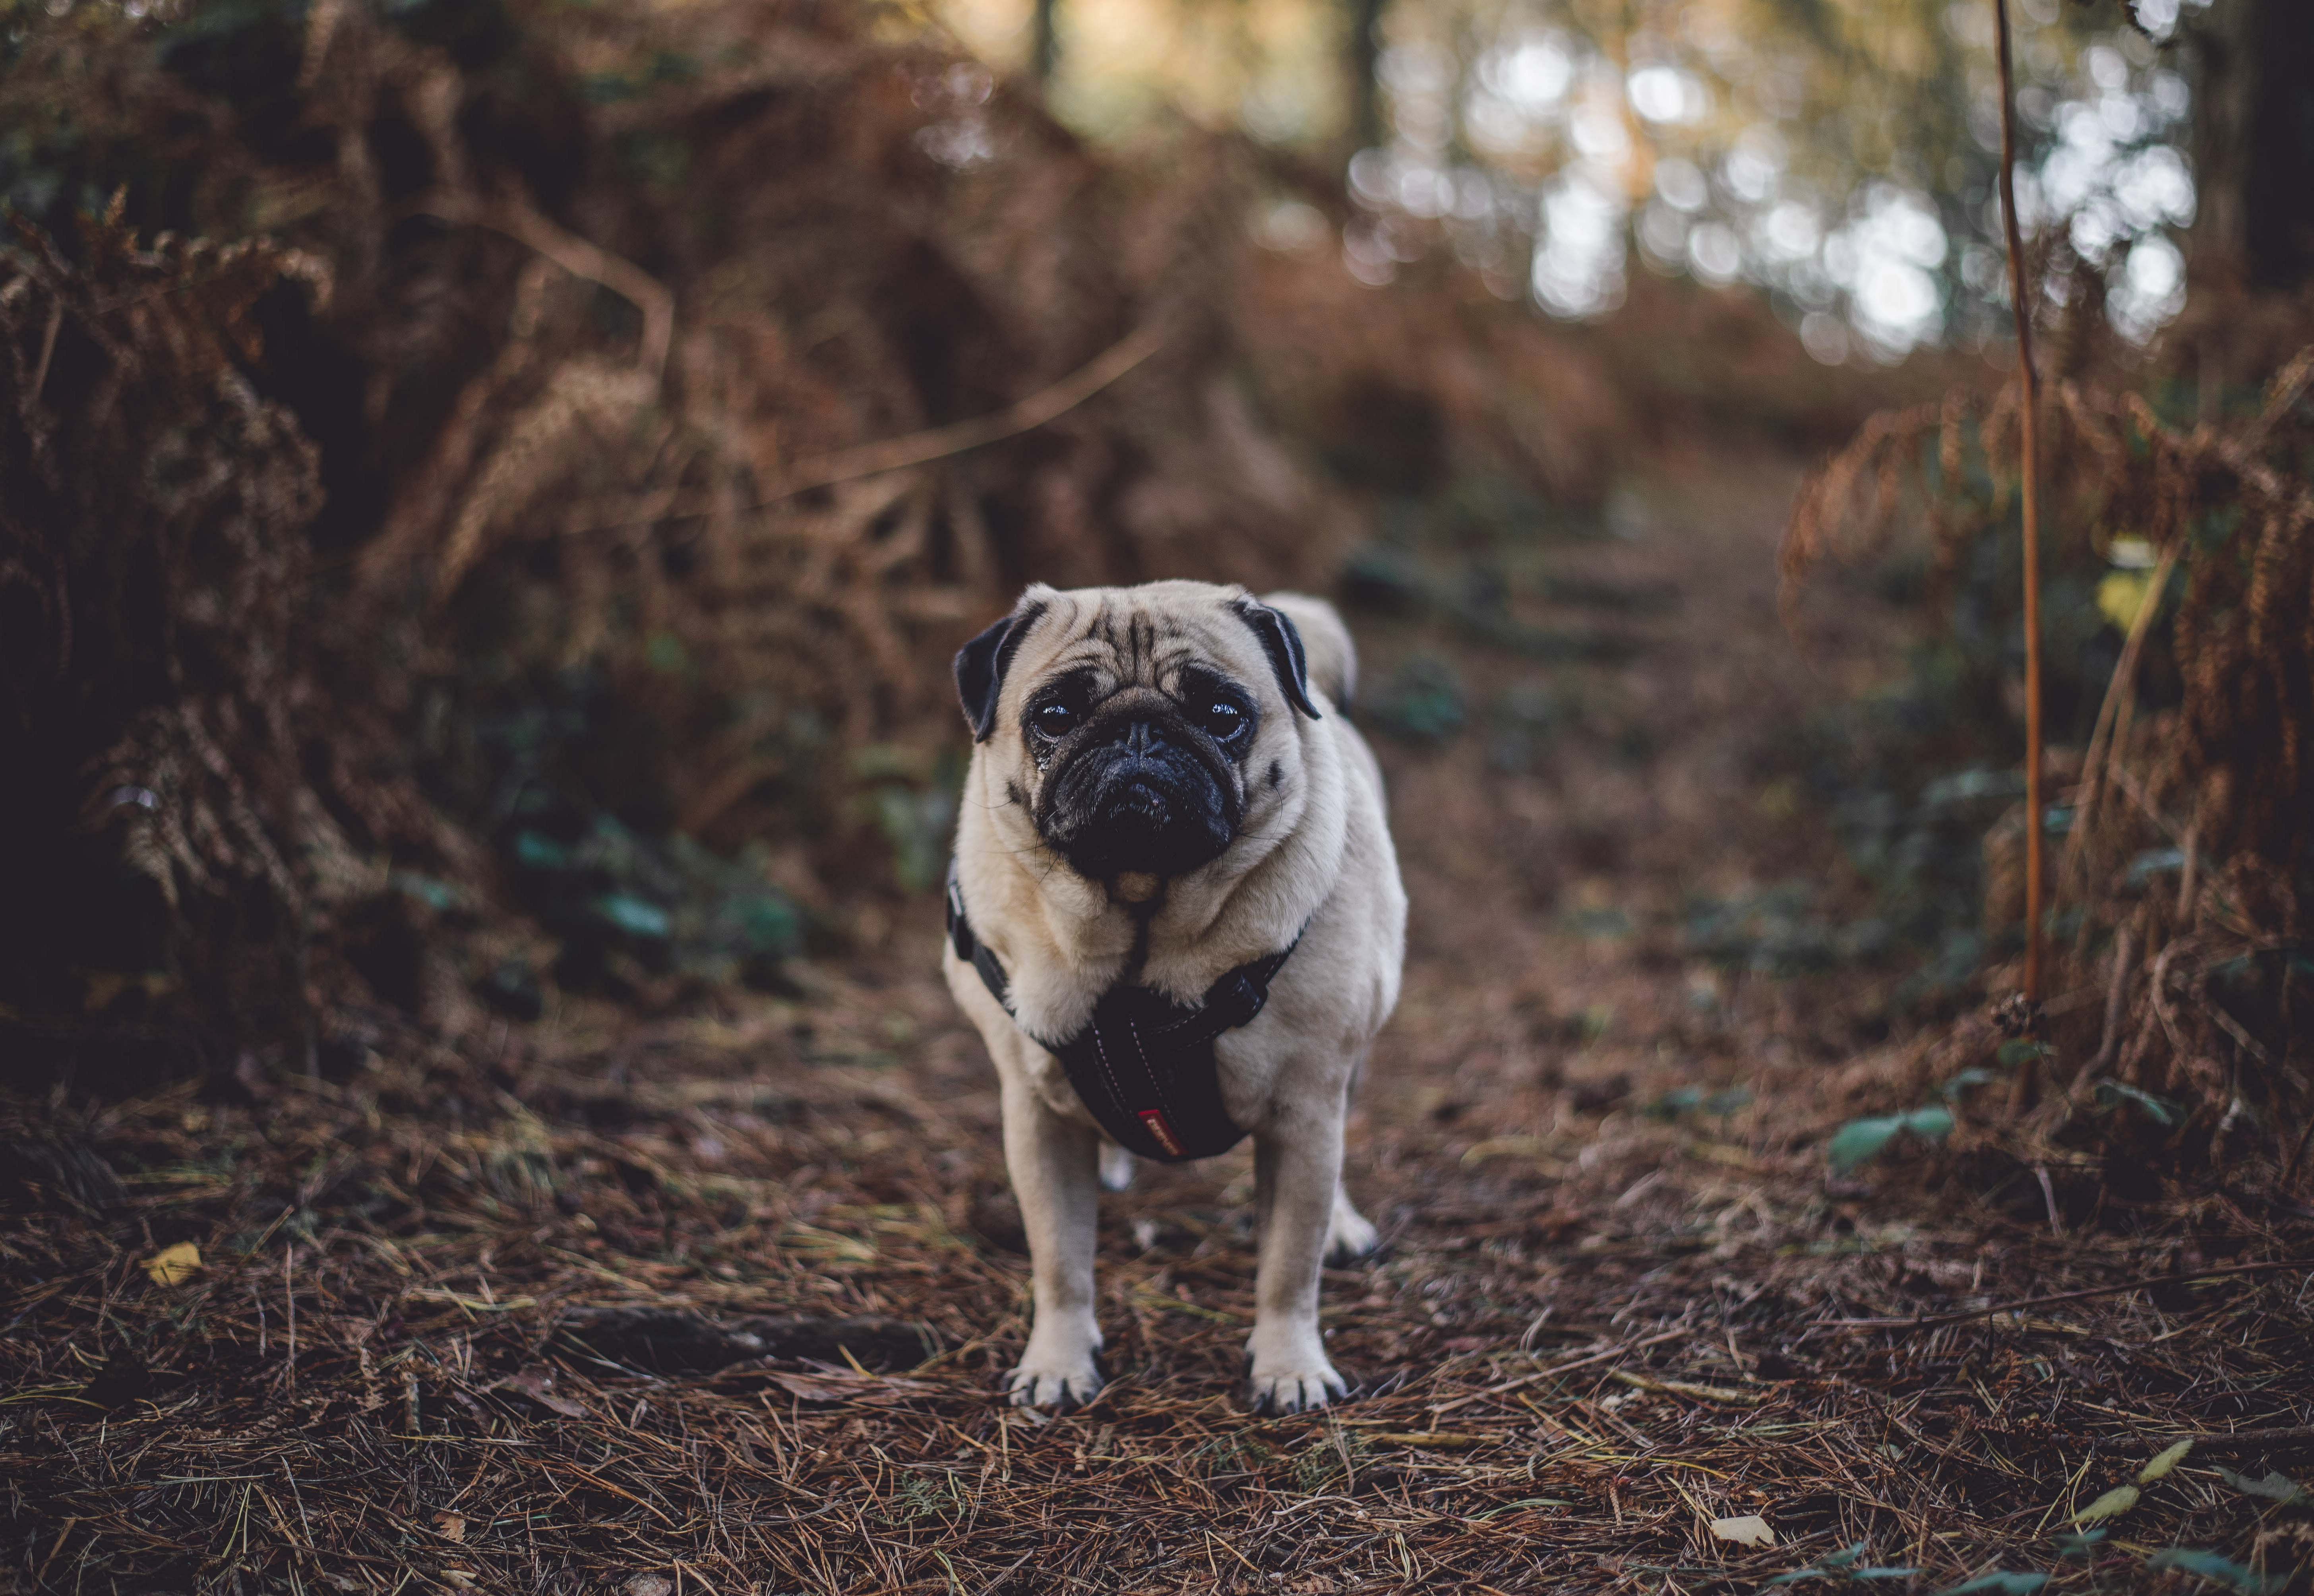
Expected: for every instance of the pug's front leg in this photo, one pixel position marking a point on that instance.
(1298, 1169)
(1052, 1163)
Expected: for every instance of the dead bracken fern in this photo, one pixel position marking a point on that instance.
(152, 567)
(2192, 835)
(732, 360)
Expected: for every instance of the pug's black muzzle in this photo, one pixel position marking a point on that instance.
(1139, 793)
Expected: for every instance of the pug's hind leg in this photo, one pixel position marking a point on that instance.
(1349, 1234)
(1116, 1167)
(1052, 1163)
(1297, 1175)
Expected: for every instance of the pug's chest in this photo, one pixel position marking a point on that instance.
(1247, 1065)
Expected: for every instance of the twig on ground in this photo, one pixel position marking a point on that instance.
(2020, 1304)
(2020, 291)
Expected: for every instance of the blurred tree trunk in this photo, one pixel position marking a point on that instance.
(1365, 59)
(2254, 144)
(1046, 45)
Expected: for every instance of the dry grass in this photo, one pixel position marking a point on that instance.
(1577, 1351)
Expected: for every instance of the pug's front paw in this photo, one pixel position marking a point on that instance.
(1059, 1381)
(1295, 1378)
(1297, 1390)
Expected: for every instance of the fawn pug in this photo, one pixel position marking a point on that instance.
(1176, 918)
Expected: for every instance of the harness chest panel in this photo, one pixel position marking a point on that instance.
(1144, 1066)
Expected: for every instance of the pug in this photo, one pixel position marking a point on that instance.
(1175, 918)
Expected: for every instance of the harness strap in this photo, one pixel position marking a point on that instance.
(1144, 1067)
(970, 948)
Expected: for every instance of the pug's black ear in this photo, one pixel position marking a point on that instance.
(1281, 639)
(980, 666)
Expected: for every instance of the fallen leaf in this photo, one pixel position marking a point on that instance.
(2000, 1582)
(1750, 1529)
(2163, 1463)
(2273, 1487)
(1840, 1562)
(538, 1385)
(2223, 1571)
(173, 1265)
(2111, 1505)
(450, 1526)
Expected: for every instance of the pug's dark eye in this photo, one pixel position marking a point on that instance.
(1224, 721)
(1054, 720)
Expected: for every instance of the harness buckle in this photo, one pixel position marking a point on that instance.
(1236, 998)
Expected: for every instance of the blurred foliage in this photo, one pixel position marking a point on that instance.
(2180, 856)
(659, 905)
(550, 303)
(1841, 157)
(1421, 701)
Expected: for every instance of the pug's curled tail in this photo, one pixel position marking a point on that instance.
(1333, 662)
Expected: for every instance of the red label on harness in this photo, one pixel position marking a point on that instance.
(1163, 1132)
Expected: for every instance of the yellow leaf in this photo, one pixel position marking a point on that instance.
(172, 1265)
(2120, 594)
(2162, 1463)
(1751, 1529)
(2111, 1505)
(1500, 1147)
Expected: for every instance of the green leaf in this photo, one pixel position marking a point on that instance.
(1950, 1090)
(1859, 1141)
(2223, 1571)
(1931, 1124)
(2273, 1487)
(2111, 1094)
(2111, 1505)
(2163, 1463)
(2020, 1050)
(437, 896)
(635, 916)
(1842, 1562)
(2157, 862)
(2081, 1545)
(536, 851)
(2000, 1581)
(1675, 1102)
(1728, 1100)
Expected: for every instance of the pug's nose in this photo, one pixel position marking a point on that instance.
(1141, 739)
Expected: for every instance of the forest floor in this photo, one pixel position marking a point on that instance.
(719, 1300)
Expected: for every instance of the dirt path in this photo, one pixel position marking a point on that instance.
(1616, 1302)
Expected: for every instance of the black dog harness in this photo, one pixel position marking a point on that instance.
(1144, 1065)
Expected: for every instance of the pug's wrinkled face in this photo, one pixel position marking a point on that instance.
(1130, 722)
